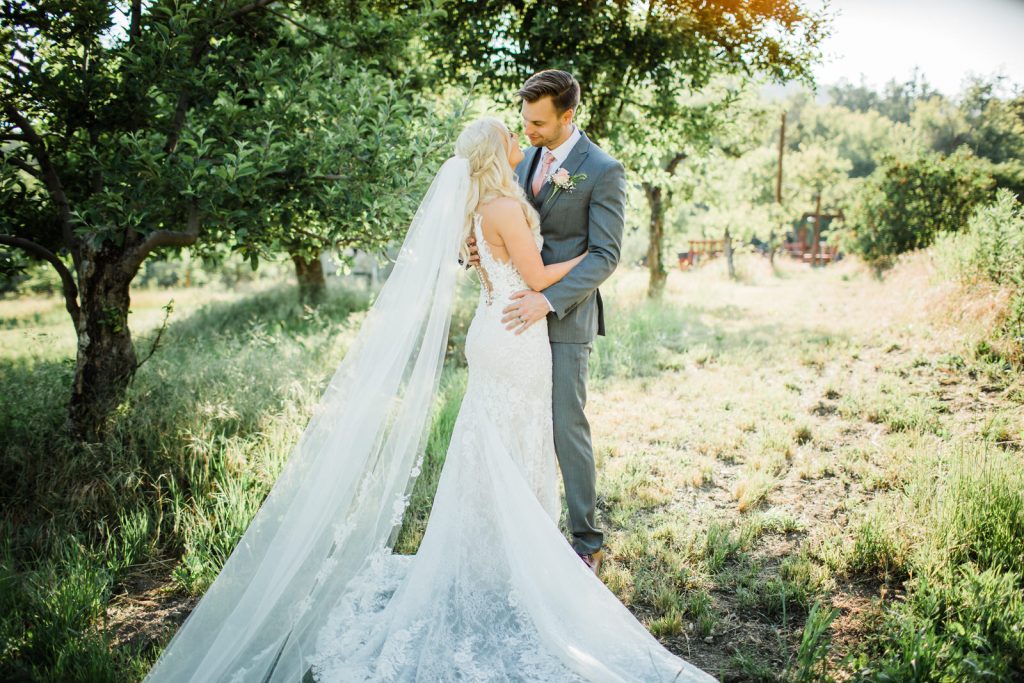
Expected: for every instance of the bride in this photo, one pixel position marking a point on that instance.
(313, 592)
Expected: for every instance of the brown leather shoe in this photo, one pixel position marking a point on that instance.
(593, 560)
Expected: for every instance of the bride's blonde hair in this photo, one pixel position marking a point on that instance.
(485, 143)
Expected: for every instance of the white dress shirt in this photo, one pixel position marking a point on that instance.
(561, 152)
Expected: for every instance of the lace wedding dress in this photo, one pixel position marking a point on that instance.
(495, 592)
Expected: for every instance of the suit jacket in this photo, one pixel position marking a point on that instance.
(589, 219)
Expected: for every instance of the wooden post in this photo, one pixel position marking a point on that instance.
(816, 244)
(778, 189)
(778, 174)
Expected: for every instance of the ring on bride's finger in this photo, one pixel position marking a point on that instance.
(522, 320)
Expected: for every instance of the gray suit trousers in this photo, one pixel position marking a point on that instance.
(570, 364)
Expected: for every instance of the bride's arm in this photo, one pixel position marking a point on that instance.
(507, 219)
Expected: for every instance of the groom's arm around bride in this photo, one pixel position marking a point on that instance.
(605, 221)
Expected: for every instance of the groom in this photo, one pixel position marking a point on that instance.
(588, 218)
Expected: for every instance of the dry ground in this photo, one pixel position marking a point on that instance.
(784, 408)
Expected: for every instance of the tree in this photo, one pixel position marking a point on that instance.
(731, 178)
(908, 201)
(166, 131)
(378, 111)
(858, 136)
(657, 156)
(896, 101)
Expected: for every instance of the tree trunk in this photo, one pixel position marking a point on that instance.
(106, 358)
(656, 232)
(727, 247)
(310, 275)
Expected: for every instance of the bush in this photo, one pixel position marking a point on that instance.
(909, 201)
(992, 249)
(994, 241)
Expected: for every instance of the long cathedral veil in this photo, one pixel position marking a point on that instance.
(344, 489)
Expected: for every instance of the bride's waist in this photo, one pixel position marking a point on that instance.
(491, 312)
(499, 300)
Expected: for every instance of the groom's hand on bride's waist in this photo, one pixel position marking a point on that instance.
(526, 308)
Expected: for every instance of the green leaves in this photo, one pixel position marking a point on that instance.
(674, 49)
(275, 133)
(909, 200)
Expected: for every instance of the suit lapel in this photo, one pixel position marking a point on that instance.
(531, 168)
(577, 155)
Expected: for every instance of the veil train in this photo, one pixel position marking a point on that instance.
(343, 490)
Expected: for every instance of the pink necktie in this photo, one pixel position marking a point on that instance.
(538, 179)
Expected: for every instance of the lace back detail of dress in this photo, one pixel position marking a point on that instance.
(498, 279)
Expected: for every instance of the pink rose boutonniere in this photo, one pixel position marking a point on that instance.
(561, 180)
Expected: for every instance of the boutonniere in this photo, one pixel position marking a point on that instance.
(562, 181)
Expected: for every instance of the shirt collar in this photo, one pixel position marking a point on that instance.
(562, 151)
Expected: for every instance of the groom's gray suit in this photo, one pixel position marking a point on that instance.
(589, 219)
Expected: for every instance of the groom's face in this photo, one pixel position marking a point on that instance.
(543, 125)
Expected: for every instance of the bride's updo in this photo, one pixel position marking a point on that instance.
(485, 143)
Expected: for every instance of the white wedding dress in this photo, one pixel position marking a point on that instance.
(312, 591)
(495, 592)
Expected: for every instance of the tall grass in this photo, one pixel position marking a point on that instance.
(191, 454)
(963, 616)
(212, 416)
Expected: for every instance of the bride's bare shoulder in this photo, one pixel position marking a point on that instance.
(501, 211)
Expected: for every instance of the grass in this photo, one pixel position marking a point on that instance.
(792, 489)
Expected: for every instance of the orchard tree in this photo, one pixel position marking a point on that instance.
(377, 110)
(817, 175)
(133, 128)
(715, 125)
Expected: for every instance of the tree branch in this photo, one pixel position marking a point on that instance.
(324, 241)
(164, 238)
(676, 160)
(159, 334)
(302, 26)
(68, 282)
(25, 166)
(49, 172)
(135, 27)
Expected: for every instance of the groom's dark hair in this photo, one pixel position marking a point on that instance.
(560, 86)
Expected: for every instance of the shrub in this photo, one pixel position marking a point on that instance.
(994, 241)
(992, 249)
(908, 201)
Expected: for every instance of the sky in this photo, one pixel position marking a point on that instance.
(947, 39)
